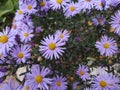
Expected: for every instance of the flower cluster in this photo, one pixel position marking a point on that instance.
(62, 45)
(52, 46)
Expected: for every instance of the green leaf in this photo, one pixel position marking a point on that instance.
(6, 8)
(15, 2)
(2, 19)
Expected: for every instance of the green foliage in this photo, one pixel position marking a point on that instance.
(7, 10)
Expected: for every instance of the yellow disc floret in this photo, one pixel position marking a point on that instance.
(52, 46)
(42, 4)
(58, 83)
(20, 55)
(82, 72)
(106, 45)
(72, 8)
(61, 35)
(100, 4)
(59, 1)
(29, 7)
(3, 39)
(20, 12)
(38, 79)
(26, 34)
(27, 87)
(103, 83)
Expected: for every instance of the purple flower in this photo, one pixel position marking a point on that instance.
(37, 78)
(38, 29)
(114, 3)
(12, 84)
(89, 89)
(77, 39)
(106, 46)
(29, 6)
(59, 83)
(71, 9)
(86, 4)
(28, 21)
(62, 35)
(21, 53)
(7, 40)
(3, 69)
(75, 84)
(17, 38)
(115, 23)
(16, 26)
(99, 20)
(44, 5)
(2, 76)
(100, 4)
(19, 14)
(1, 80)
(26, 34)
(51, 47)
(57, 4)
(103, 2)
(105, 82)
(82, 72)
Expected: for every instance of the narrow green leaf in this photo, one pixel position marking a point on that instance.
(6, 8)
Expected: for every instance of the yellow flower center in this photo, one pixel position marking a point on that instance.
(3, 39)
(20, 55)
(106, 45)
(61, 35)
(52, 46)
(20, 12)
(59, 1)
(72, 8)
(58, 83)
(82, 72)
(103, 84)
(26, 34)
(42, 4)
(27, 87)
(29, 7)
(38, 79)
(87, 0)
